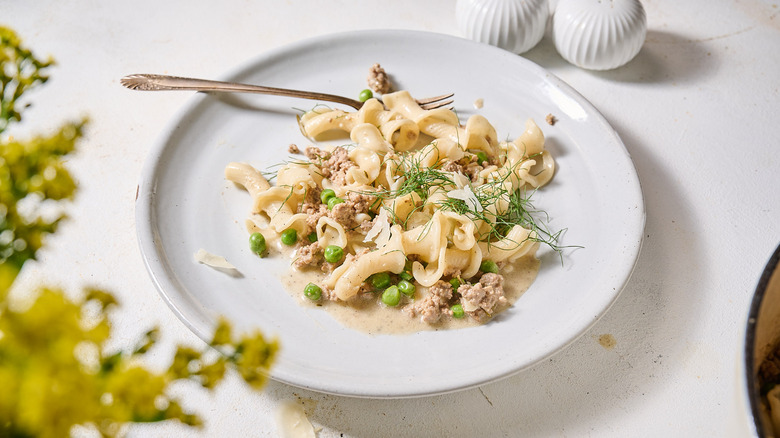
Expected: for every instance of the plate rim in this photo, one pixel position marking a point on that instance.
(144, 208)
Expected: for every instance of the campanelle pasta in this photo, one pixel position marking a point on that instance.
(419, 202)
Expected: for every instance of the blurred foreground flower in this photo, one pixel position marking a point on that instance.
(55, 370)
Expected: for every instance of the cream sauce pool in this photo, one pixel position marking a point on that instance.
(368, 314)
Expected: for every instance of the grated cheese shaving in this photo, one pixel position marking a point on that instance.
(380, 232)
(212, 260)
(460, 180)
(465, 194)
(468, 305)
(293, 422)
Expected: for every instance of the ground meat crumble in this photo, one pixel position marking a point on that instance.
(315, 154)
(468, 166)
(334, 164)
(433, 306)
(378, 80)
(483, 297)
(308, 255)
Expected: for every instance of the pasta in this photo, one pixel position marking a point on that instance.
(419, 198)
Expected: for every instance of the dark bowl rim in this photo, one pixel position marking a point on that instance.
(750, 337)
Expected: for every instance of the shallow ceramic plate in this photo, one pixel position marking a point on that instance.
(185, 204)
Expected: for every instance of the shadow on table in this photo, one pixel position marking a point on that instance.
(628, 357)
(665, 57)
(590, 383)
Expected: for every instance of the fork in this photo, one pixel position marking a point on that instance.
(155, 82)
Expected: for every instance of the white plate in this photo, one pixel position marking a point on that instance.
(185, 204)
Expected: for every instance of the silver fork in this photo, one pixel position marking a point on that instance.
(154, 82)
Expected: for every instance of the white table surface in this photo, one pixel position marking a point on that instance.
(697, 110)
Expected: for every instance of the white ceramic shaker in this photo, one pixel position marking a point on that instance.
(599, 34)
(513, 25)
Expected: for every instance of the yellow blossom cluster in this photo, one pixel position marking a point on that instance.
(55, 369)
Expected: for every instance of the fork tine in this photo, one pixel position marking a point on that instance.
(434, 105)
(434, 99)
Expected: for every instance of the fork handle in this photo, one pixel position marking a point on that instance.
(155, 82)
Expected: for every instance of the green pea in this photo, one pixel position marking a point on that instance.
(406, 275)
(333, 253)
(455, 284)
(326, 195)
(481, 157)
(391, 296)
(289, 236)
(312, 292)
(365, 95)
(257, 243)
(488, 266)
(457, 311)
(312, 237)
(333, 201)
(380, 280)
(407, 288)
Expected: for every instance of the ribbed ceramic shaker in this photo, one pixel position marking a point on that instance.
(513, 25)
(599, 34)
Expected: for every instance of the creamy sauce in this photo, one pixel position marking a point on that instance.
(607, 341)
(368, 314)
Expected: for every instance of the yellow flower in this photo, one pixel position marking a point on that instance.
(211, 374)
(134, 393)
(222, 334)
(54, 370)
(254, 356)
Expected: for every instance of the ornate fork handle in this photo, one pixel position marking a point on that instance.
(154, 82)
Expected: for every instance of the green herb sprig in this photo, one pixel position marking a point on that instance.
(423, 180)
